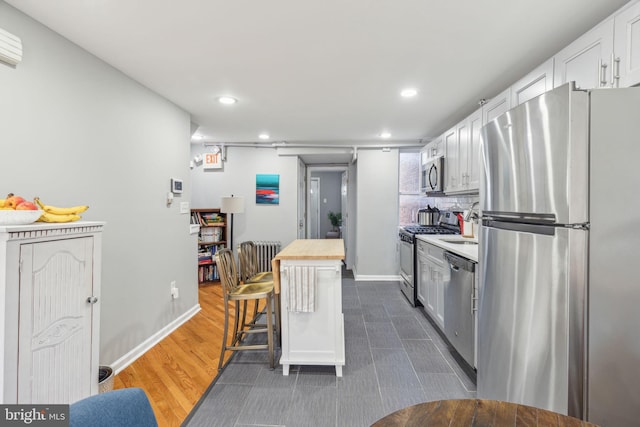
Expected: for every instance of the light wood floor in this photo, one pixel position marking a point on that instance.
(176, 372)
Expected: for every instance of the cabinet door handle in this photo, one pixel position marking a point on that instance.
(615, 71)
(92, 300)
(603, 73)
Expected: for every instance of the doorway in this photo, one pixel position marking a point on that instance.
(327, 193)
(314, 208)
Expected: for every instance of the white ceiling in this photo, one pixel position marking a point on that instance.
(325, 71)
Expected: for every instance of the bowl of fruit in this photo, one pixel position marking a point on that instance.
(15, 210)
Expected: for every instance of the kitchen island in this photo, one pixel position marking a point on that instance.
(308, 277)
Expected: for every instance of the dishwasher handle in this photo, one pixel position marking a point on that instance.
(457, 263)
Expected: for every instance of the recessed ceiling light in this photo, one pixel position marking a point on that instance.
(197, 137)
(263, 136)
(408, 93)
(227, 100)
(385, 135)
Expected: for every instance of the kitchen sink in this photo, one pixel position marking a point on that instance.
(461, 242)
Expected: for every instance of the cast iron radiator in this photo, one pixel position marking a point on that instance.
(266, 252)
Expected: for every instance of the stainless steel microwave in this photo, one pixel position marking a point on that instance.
(432, 175)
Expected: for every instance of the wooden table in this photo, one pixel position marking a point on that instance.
(477, 413)
(314, 333)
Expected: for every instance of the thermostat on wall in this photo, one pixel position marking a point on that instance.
(176, 185)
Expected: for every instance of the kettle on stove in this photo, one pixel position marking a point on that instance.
(428, 216)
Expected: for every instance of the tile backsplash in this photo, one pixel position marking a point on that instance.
(452, 203)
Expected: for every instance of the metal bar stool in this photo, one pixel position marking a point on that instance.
(248, 260)
(237, 291)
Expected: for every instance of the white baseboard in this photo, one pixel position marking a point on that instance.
(154, 339)
(374, 278)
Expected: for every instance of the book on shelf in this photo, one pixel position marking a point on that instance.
(208, 273)
(207, 218)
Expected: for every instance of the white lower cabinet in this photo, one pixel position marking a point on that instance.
(50, 337)
(431, 275)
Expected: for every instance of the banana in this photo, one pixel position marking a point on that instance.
(73, 210)
(50, 217)
(2, 203)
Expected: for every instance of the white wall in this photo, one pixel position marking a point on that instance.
(377, 215)
(238, 177)
(73, 130)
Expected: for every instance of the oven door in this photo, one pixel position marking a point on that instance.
(407, 270)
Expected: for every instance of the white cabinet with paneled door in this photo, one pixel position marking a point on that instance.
(422, 279)
(533, 84)
(462, 155)
(626, 39)
(587, 61)
(606, 56)
(452, 159)
(455, 169)
(496, 106)
(472, 179)
(434, 148)
(51, 318)
(431, 271)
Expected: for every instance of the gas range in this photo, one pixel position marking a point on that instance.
(448, 224)
(429, 229)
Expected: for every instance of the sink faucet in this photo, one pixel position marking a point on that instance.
(472, 213)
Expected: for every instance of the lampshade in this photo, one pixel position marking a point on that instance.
(232, 204)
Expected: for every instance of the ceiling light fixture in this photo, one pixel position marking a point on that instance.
(385, 135)
(408, 93)
(263, 136)
(227, 100)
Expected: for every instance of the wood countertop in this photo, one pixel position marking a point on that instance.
(313, 249)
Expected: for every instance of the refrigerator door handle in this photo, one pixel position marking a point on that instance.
(548, 230)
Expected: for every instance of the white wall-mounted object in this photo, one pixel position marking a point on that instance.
(10, 48)
(176, 186)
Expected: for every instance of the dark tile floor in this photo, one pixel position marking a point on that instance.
(394, 358)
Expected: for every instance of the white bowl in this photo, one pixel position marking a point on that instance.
(19, 217)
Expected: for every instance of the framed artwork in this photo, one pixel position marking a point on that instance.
(267, 189)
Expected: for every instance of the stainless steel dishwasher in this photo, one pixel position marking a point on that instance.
(460, 306)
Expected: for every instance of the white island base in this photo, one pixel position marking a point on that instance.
(313, 338)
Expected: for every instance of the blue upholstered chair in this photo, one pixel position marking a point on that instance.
(127, 407)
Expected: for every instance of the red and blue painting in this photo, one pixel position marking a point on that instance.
(267, 189)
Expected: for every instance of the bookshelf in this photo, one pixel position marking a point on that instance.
(212, 236)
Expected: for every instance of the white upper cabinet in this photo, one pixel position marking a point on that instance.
(451, 170)
(533, 84)
(462, 155)
(432, 149)
(497, 106)
(626, 61)
(473, 168)
(587, 61)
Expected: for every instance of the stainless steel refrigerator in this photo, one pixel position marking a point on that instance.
(559, 319)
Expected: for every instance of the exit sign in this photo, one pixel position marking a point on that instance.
(212, 161)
